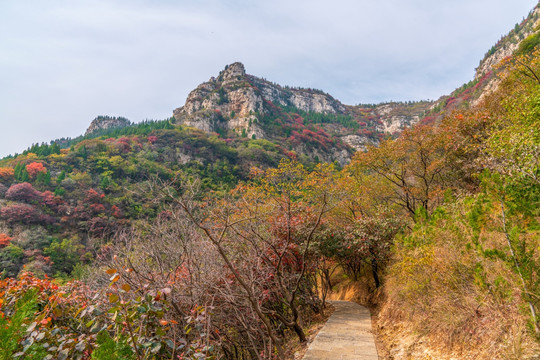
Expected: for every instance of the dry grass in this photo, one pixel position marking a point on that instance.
(443, 300)
(346, 289)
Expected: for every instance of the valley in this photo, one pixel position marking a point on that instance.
(223, 231)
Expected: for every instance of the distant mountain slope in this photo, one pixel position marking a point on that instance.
(509, 43)
(238, 104)
(522, 38)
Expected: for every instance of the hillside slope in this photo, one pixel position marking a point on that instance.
(485, 79)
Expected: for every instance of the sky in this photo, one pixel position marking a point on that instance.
(64, 62)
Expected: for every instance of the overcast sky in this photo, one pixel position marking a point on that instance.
(62, 63)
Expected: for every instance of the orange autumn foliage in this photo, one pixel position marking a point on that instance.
(35, 168)
(4, 240)
(6, 173)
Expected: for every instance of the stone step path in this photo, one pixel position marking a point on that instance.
(345, 336)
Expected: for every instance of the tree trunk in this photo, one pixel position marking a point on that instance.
(374, 269)
(300, 332)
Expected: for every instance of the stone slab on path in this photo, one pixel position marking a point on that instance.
(346, 335)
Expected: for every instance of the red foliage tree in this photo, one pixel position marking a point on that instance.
(25, 214)
(97, 208)
(78, 213)
(23, 192)
(92, 196)
(117, 212)
(52, 201)
(123, 144)
(35, 168)
(100, 226)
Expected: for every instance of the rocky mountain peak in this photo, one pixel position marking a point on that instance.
(233, 71)
(107, 122)
(237, 101)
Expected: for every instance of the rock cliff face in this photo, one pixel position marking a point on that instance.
(386, 119)
(505, 48)
(106, 122)
(392, 121)
(307, 121)
(509, 43)
(237, 101)
(358, 142)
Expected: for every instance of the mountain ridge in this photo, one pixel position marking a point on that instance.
(236, 103)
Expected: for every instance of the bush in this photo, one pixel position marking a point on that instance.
(25, 214)
(23, 192)
(529, 44)
(6, 174)
(451, 286)
(41, 320)
(35, 168)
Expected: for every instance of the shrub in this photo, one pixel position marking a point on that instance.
(25, 214)
(35, 168)
(23, 192)
(6, 174)
(4, 240)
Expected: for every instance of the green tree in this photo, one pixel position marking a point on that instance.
(61, 177)
(11, 260)
(64, 255)
(44, 178)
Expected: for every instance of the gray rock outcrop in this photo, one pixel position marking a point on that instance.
(236, 101)
(106, 122)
